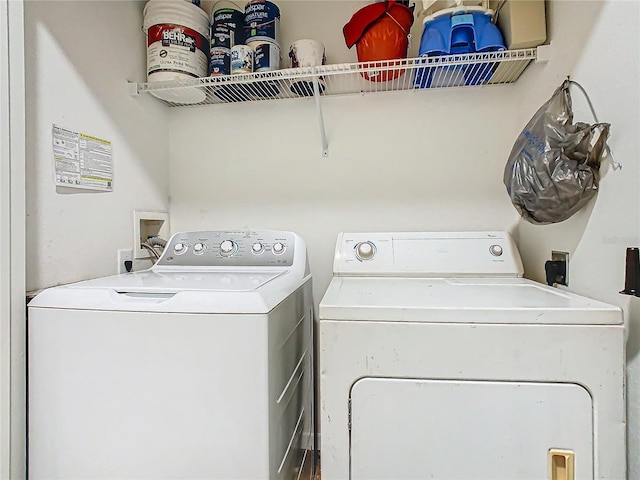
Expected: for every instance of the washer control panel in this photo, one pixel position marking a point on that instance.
(230, 248)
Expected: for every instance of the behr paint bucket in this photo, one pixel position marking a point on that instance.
(267, 56)
(177, 47)
(220, 62)
(261, 21)
(227, 28)
(241, 59)
(306, 53)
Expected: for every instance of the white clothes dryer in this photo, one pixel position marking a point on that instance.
(437, 360)
(198, 368)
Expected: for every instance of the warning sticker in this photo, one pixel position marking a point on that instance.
(81, 160)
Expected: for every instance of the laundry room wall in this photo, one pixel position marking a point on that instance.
(79, 56)
(422, 160)
(406, 161)
(598, 45)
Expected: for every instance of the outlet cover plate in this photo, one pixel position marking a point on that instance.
(123, 254)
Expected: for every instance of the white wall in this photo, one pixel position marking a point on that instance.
(79, 56)
(405, 161)
(598, 44)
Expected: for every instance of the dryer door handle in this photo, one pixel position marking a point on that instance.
(561, 464)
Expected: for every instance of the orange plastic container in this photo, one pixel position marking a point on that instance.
(387, 38)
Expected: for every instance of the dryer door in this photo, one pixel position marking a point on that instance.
(418, 429)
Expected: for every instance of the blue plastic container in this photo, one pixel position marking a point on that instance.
(456, 35)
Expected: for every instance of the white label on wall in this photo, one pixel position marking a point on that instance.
(81, 160)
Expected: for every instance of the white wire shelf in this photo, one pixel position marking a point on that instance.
(349, 78)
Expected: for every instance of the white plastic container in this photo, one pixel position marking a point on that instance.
(177, 46)
(306, 53)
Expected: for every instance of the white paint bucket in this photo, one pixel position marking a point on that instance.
(177, 46)
(306, 53)
(267, 56)
(241, 59)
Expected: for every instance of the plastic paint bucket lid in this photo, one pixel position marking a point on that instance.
(177, 47)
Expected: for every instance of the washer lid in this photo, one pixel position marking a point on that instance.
(220, 292)
(150, 281)
(462, 300)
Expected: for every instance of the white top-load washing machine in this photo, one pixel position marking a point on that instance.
(199, 368)
(437, 360)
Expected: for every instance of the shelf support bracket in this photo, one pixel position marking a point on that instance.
(543, 53)
(133, 89)
(323, 134)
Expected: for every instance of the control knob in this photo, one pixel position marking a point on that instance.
(257, 248)
(227, 248)
(180, 248)
(278, 248)
(199, 248)
(365, 250)
(495, 250)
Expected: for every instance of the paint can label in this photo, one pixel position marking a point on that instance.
(241, 59)
(174, 48)
(220, 61)
(261, 21)
(223, 37)
(228, 16)
(227, 28)
(267, 57)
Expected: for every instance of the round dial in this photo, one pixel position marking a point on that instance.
(227, 248)
(365, 250)
(278, 248)
(180, 248)
(257, 248)
(495, 250)
(199, 248)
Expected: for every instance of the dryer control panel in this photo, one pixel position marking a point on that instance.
(427, 254)
(230, 248)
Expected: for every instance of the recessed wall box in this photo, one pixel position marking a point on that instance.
(148, 224)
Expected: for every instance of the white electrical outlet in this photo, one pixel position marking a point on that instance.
(146, 224)
(124, 254)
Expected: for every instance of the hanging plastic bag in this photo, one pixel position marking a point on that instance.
(553, 168)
